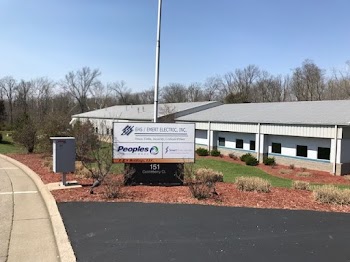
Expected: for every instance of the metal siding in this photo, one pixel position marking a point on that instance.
(298, 130)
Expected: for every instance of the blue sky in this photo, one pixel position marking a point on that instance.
(200, 38)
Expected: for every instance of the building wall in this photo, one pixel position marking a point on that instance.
(230, 141)
(289, 146)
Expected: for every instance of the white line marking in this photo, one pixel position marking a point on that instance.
(8, 168)
(18, 192)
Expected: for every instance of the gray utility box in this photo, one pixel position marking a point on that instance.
(63, 154)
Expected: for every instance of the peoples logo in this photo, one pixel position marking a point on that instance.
(154, 150)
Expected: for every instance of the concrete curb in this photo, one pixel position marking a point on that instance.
(64, 247)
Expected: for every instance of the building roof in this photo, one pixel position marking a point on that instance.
(146, 111)
(336, 112)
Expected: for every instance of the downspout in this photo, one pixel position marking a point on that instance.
(209, 135)
(258, 148)
(335, 149)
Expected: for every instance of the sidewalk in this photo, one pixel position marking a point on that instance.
(30, 225)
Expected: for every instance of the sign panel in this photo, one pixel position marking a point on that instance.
(153, 142)
(155, 174)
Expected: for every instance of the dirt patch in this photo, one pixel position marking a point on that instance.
(228, 195)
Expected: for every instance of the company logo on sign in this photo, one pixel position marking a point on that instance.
(132, 149)
(154, 150)
(127, 130)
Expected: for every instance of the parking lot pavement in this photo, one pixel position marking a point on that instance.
(160, 232)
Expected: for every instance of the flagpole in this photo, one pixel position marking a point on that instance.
(156, 80)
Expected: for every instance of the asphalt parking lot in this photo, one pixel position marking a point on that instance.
(161, 232)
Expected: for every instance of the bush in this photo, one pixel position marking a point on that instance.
(291, 166)
(233, 156)
(25, 133)
(304, 174)
(269, 161)
(201, 182)
(245, 156)
(113, 186)
(301, 185)
(202, 151)
(253, 184)
(251, 161)
(209, 175)
(215, 152)
(332, 195)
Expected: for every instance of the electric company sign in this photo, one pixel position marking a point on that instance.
(153, 142)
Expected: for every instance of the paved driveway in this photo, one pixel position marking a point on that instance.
(158, 232)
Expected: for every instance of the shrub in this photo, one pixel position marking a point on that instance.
(253, 184)
(301, 185)
(201, 182)
(113, 186)
(209, 175)
(215, 152)
(330, 194)
(202, 151)
(245, 156)
(233, 156)
(251, 161)
(25, 133)
(285, 171)
(269, 161)
(291, 166)
(304, 174)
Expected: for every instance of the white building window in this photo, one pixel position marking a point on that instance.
(239, 143)
(323, 153)
(221, 141)
(276, 148)
(302, 151)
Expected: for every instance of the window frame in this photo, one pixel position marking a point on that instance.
(222, 142)
(241, 141)
(318, 153)
(300, 151)
(273, 145)
(254, 145)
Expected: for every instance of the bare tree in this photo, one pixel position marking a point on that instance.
(101, 96)
(195, 93)
(79, 85)
(23, 96)
(308, 82)
(147, 96)
(122, 92)
(43, 93)
(174, 93)
(8, 86)
(213, 86)
(267, 88)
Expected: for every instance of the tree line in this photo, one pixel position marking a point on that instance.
(41, 100)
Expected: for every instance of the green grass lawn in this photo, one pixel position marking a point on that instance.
(7, 146)
(232, 170)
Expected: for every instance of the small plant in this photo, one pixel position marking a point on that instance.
(301, 185)
(303, 169)
(291, 166)
(201, 182)
(202, 151)
(233, 156)
(215, 152)
(251, 161)
(253, 184)
(304, 174)
(285, 171)
(209, 175)
(245, 156)
(330, 194)
(270, 161)
(113, 186)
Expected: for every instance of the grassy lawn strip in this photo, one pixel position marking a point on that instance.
(7, 146)
(232, 170)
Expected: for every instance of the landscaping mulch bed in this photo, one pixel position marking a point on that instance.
(228, 195)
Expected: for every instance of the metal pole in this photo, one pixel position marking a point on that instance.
(156, 80)
(335, 148)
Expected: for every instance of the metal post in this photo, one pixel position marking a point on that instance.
(156, 80)
(64, 179)
(335, 148)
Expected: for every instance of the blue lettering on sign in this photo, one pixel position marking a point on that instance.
(132, 149)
